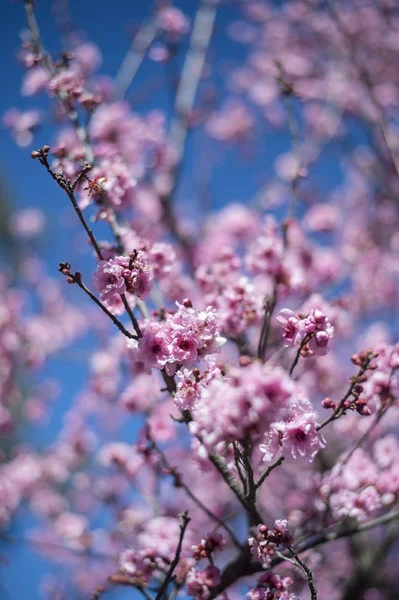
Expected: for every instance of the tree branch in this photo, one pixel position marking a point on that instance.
(183, 526)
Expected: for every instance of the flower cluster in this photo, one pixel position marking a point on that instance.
(212, 541)
(271, 586)
(296, 436)
(123, 274)
(200, 583)
(179, 340)
(140, 565)
(311, 333)
(363, 483)
(263, 545)
(256, 395)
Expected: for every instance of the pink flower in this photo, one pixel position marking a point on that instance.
(88, 57)
(184, 346)
(109, 279)
(200, 583)
(261, 550)
(297, 436)
(172, 21)
(154, 347)
(138, 564)
(271, 586)
(161, 534)
(69, 81)
(284, 537)
(35, 81)
(27, 223)
(121, 456)
(311, 332)
(22, 124)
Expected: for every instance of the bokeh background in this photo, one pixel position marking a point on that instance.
(211, 178)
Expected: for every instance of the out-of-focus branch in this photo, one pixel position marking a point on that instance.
(169, 576)
(382, 121)
(184, 103)
(134, 57)
(293, 127)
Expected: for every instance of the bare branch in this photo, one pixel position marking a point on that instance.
(77, 278)
(308, 573)
(134, 57)
(183, 526)
(269, 469)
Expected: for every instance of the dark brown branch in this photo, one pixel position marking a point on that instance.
(61, 96)
(308, 573)
(169, 576)
(338, 411)
(238, 461)
(298, 354)
(133, 319)
(68, 188)
(77, 278)
(269, 469)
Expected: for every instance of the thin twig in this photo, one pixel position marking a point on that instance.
(364, 77)
(220, 465)
(269, 469)
(308, 573)
(68, 187)
(76, 278)
(183, 526)
(133, 319)
(237, 461)
(293, 127)
(338, 411)
(270, 305)
(298, 354)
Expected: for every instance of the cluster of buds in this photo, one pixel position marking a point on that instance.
(65, 269)
(309, 333)
(213, 541)
(364, 358)
(263, 545)
(355, 400)
(41, 154)
(122, 274)
(279, 535)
